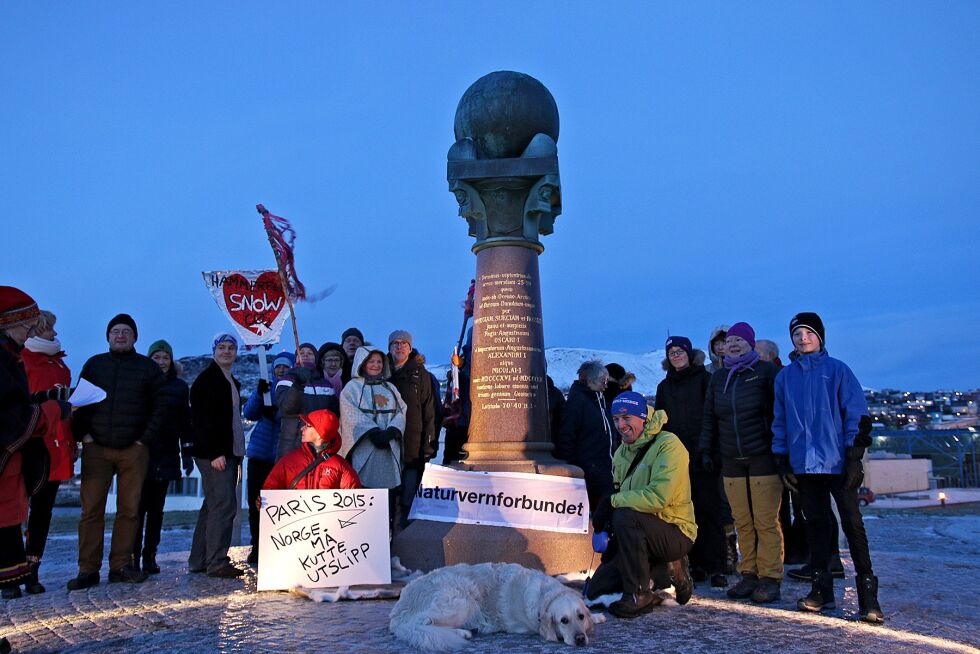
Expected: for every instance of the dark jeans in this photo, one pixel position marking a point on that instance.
(99, 465)
(645, 545)
(453, 447)
(258, 471)
(40, 519)
(710, 547)
(815, 494)
(212, 535)
(151, 512)
(793, 526)
(411, 478)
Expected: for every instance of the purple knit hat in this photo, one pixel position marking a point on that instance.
(743, 330)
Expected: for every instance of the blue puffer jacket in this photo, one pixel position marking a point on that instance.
(818, 406)
(264, 439)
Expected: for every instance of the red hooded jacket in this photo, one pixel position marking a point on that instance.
(45, 371)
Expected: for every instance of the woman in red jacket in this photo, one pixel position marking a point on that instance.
(315, 464)
(49, 379)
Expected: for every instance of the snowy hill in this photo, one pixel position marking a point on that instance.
(563, 363)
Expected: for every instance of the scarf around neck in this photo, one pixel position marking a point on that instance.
(43, 346)
(735, 364)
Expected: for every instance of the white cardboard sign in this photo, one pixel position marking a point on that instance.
(323, 538)
(506, 499)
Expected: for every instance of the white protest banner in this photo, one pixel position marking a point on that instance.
(252, 300)
(505, 499)
(323, 538)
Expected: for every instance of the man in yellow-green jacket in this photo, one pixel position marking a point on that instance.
(650, 514)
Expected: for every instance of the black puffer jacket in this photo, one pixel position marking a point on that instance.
(211, 414)
(414, 384)
(586, 437)
(738, 422)
(176, 434)
(681, 394)
(135, 407)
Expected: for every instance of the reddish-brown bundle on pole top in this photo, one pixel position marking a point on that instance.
(282, 238)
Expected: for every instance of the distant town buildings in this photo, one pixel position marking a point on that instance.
(913, 410)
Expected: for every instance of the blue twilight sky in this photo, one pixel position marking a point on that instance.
(720, 162)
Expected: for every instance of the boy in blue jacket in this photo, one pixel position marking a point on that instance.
(820, 430)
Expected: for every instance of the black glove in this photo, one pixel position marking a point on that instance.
(65, 409)
(263, 386)
(187, 460)
(853, 469)
(393, 433)
(707, 462)
(379, 438)
(300, 374)
(785, 472)
(602, 515)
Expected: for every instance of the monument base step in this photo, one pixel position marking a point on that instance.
(427, 545)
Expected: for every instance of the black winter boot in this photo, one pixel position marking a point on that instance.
(32, 585)
(821, 593)
(867, 590)
(767, 591)
(150, 566)
(744, 588)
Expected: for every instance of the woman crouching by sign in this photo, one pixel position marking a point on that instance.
(650, 514)
(314, 464)
(372, 421)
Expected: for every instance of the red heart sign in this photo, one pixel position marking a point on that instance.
(254, 305)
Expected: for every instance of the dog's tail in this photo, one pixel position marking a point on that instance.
(429, 637)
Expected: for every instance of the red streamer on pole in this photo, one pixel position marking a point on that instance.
(282, 238)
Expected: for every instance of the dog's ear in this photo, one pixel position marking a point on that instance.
(547, 626)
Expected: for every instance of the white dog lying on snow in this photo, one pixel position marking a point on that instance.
(440, 611)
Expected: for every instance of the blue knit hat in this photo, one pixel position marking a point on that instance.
(284, 359)
(629, 403)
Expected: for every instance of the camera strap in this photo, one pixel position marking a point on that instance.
(317, 460)
(642, 452)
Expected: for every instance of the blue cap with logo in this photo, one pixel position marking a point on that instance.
(630, 403)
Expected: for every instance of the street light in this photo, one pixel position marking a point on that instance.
(942, 498)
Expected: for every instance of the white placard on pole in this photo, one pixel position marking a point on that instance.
(323, 538)
(505, 499)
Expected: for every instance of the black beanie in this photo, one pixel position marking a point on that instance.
(351, 331)
(809, 320)
(122, 319)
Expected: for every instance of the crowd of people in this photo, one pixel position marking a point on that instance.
(733, 442)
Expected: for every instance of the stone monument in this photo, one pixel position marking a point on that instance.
(503, 170)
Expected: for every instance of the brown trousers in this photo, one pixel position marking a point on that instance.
(755, 506)
(99, 465)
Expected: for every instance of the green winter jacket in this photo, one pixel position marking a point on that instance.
(660, 485)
